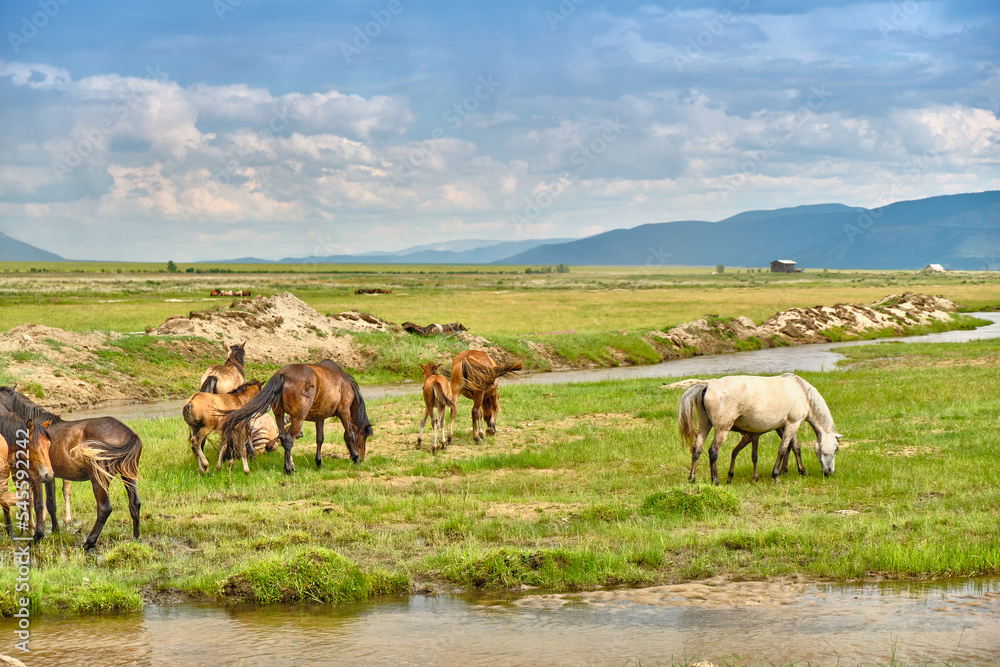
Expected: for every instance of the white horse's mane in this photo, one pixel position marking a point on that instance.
(819, 414)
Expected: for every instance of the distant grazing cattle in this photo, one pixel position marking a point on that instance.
(230, 292)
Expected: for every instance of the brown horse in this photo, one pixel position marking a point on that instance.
(437, 394)
(474, 375)
(24, 455)
(306, 392)
(95, 449)
(204, 411)
(223, 378)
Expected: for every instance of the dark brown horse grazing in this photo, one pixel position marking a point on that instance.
(474, 375)
(95, 449)
(223, 378)
(23, 441)
(306, 392)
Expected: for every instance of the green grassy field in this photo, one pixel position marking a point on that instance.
(489, 300)
(584, 486)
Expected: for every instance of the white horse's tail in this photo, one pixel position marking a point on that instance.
(688, 411)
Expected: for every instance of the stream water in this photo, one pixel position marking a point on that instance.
(955, 622)
(816, 357)
(911, 624)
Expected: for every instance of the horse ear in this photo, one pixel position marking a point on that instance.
(45, 424)
(243, 345)
(30, 425)
(838, 436)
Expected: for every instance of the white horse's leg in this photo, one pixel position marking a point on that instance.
(790, 429)
(713, 454)
(744, 441)
(699, 442)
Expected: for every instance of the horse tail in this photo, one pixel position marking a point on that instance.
(476, 378)
(189, 416)
(506, 369)
(440, 396)
(208, 386)
(111, 459)
(235, 426)
(688, 411)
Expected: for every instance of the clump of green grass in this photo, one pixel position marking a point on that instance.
(104, 598)
(128, 554)
(507, 568)
(699, 503)
(310, 575)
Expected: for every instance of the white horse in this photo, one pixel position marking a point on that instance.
(752, 405)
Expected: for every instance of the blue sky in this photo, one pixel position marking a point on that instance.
(209, 129)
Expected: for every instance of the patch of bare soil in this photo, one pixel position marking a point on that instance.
(47, 358)
(715, 592)
(280, 329)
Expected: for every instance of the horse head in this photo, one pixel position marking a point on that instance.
(826, 446)
(429, 369)
(39, 443)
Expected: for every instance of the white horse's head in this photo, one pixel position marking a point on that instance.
(827, 445)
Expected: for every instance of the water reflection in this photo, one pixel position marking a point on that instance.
(865, 624)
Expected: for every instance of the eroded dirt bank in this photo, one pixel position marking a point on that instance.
(66, 369)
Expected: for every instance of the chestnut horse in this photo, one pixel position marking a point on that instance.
(203, 412)
(437, 394)
(23, 440)
(95, 449)
(306, 392)
(223, 378)
(474, 375)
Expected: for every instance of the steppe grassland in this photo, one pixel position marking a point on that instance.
(584, 486)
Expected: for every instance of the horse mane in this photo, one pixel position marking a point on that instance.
(237, 357)
(24, 407)
(243, 388)
(358, 405)
(819, 414)
(10, 424)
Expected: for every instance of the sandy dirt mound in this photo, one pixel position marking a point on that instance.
(279, 329)
(46, 361)
(795, 326)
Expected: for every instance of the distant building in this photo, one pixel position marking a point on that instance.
(934, 268)
(783, 266)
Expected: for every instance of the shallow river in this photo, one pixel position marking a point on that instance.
(747, 623)
(915, 624)
(817, 357)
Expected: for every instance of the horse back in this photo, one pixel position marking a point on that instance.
(755, 404)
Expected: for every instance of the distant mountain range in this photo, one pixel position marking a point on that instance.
(12, 250)
(463, 251)
(956, 231)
